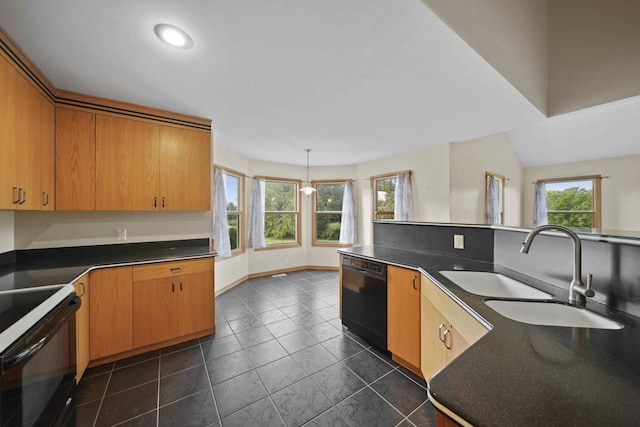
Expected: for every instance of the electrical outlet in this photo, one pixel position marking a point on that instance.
(458, 241)
(121, 234)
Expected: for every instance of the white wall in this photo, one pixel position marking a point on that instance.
(469, 160)
(429, 181)
(620, 193)
(35, 229)
(7, 242)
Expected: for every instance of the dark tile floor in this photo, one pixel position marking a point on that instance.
(279, 357)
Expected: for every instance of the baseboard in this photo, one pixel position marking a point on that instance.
(269, 273)
(291, 269)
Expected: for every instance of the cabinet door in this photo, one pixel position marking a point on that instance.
(28, 156)
(433, 355)
(403, 314)
(126, 164)
(48, 151)
(8, 93)
(456, 343)
(75, 160)
(111, 314)
(196, 303)
(154, 311)
(82, 326)
(185, 169)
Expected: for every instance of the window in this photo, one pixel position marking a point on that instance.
(327, 212)
(494, 198)
(384, 192)
(281, 212)
(234, 189)
(573, 202)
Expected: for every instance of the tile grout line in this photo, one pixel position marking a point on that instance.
(104, 393)
(158, 393)
(206, 368)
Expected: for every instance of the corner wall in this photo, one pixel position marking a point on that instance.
(469, 160)
(7, 233)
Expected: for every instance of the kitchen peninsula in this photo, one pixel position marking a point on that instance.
(517, 373)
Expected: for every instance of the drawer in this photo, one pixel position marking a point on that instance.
(171, 268)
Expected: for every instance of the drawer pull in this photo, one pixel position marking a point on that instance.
(176, 269)
(440, 332)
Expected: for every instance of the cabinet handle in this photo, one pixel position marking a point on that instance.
(24, 199)
(45, 199)
(83, 290)
(440, 332)
(163, 201)
(175, 269)
(173, 287)
(414, 282)
(446, 333)
(180, 285)
(16, 195)
(155, 202)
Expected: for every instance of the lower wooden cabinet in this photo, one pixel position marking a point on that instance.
(403, 316)
(136, 308)
(171, 304)
(111, 312)
(447, 329)
(82, 326)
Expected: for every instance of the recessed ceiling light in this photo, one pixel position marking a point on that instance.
(173, 36)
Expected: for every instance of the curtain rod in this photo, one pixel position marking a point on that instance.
(579, 178)
(409, 171)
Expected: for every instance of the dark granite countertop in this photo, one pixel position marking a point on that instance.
(528, 375)
(40, 267)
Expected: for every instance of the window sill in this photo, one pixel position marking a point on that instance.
(331, 245)
(282, 246)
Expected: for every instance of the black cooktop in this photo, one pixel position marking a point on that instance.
(14, 306)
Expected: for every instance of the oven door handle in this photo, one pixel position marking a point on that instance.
(25, 354)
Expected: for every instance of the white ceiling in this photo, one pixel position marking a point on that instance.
(353, 80)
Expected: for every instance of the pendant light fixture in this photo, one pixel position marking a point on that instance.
(308, 189)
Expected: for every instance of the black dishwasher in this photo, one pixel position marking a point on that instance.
(364, 299)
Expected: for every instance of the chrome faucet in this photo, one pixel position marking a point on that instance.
(577, 291)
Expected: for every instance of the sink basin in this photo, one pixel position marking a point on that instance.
(551, 314)
(493, 285)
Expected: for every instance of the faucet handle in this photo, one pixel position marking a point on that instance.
(588, 292)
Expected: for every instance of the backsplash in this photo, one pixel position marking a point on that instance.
(435, 238)
(615, 266)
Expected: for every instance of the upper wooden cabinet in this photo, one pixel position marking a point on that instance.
(8, 94)
(147, 166)
(185, 169)
(48, 153)
(127, 164)
(75, 160)
(26, 141)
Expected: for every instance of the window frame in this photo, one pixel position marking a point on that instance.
(315, 212)
(502, 181)
(596, 213)
(241, 213)
(297, 212)
(374, 195)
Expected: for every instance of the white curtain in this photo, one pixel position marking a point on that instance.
(540, 205)
(255, 234)
(493, 201)
(221, 242)
(402, 202)
(348, 222)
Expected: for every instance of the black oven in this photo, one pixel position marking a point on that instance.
(364, 299)
(37, 385)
